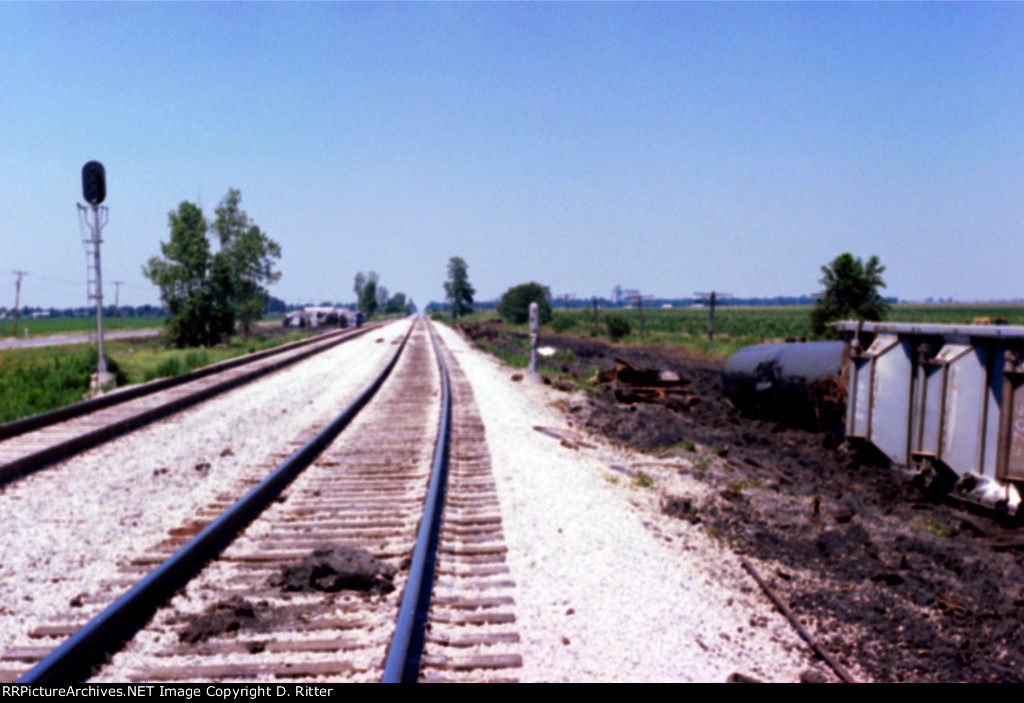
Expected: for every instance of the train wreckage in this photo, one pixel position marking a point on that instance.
(944, 400)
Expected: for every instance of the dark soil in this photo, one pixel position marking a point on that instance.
(904, 588)
(332, 568)
(227, 616)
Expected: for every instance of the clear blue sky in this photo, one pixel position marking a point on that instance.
(666, 147)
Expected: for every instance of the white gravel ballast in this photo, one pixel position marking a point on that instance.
(608, 589)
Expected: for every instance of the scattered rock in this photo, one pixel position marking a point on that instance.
(736, 677)
(812, 676)
(681, 508)
(202, 466)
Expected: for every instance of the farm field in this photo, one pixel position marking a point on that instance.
(737, 327)
(44, 326)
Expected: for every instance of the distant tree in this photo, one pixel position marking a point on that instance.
(382, 298)
(368, 303)
(515, 303)
(276, 305)
(250, 255)
(358, 287)
(457, 289)
(397, 304)
(194, 286)
(851, 291)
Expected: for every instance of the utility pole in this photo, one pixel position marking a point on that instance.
(640, 310)
(711, 297)
(566, 297)
(17, 297)
(117, 297)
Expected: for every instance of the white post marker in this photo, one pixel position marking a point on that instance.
(534, 323)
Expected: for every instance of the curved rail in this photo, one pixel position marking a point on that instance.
(73, 660)
(403, 661)
(31, 462)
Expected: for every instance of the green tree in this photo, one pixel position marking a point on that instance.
(195, 287)
(851, 291)
(250, 255)
(515, 303)
(358, 287)
(397, 304)
(457, 289)
(368, 303)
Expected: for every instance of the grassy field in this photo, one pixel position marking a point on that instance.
(43, 326)
(737, 327)
(38, 379)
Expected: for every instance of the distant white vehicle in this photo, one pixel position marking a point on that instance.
(316, 316)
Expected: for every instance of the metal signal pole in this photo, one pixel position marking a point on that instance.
(94, 190)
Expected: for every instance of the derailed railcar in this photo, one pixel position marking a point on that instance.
(800, 384)
(946, 400)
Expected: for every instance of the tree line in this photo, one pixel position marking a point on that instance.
(207, 293)
(852, 291)
(371, 297)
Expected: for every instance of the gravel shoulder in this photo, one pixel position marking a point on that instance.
(609, 588)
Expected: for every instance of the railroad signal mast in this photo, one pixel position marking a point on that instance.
(94, 191)
(711, 297)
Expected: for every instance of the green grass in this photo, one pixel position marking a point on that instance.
(738, 327)
(37, 379)
(38, 383)
(642, 480)
(742, 485)
(147, 360)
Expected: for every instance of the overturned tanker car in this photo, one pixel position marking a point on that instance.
(800, 384)
(944, 400)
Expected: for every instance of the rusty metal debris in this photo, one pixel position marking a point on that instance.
(567, 439)
(632, 385)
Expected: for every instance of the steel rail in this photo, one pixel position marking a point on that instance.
(76, 657)
(36, 460)
(403, 660)
(52, 417)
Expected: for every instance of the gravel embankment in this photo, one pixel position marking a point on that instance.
(608, 589)
(67, 527)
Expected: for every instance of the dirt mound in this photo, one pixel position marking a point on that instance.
(335, 567)
(225, 616)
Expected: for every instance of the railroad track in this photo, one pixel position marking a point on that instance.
(32, 443)
(269, 606)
